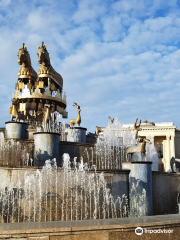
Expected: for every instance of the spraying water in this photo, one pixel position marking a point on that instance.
(72, 193)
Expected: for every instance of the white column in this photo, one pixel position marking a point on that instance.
(172, 146)
(168, 158)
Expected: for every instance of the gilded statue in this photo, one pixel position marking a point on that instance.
(26, 70)
(76, 121)
(46, 69)
(142, 141)
(15, 114)
(14, 110)
(137, 127)
(47, 118)
(111, 120)
(37, 95)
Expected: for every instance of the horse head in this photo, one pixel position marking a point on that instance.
(23, 56)
(43, 55)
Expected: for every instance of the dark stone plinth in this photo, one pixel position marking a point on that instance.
(46, 146)
(16, 130)
(76, 134)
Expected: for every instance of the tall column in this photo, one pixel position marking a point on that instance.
(155, 159)
(168, 158)
(140, 189)
(172, 146)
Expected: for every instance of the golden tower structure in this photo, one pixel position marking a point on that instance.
(38, 95)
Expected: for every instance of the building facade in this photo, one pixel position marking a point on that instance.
(166, 138)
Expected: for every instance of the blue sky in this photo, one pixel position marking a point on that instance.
(117, 58)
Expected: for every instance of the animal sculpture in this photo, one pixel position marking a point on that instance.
(111, 120)
(47, 119)
(138, 149)
(45, 67)
(25, 61)
(76, 121)
(142, 146)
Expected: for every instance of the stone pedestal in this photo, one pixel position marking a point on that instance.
(140, 189)
(16, 130)
(46, 146)
(126, 165)
(76, 134)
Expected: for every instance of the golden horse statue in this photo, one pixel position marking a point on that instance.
(26, 70)
(46, 69)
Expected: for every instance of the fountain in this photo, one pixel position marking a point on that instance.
(51, 194)
(110, 179)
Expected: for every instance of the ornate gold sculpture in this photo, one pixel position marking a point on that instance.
(45, 69)
(26, 70)
(76, 121)
(37, 95)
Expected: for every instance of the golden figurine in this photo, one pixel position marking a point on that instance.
(142, 147)
(47, 118)
(26, 70)
(143, 142)
(14, 111)
(76, 121)
(45, 69)
(111, 120)
(137, 127)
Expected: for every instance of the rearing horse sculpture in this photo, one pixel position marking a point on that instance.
(26, 69)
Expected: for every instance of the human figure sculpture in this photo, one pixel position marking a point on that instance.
(137, 127)
(76, 121)
(111, 120)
